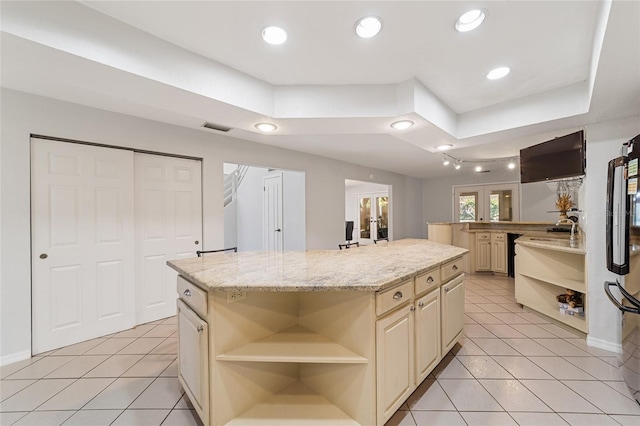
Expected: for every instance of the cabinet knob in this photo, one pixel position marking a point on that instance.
(455, 267)
(412, 308)
(398, 295)
(430, 279)
(187, 293)
(421, 304)
(200, 328)
(43, 256)
(196, 242)
(446, 289)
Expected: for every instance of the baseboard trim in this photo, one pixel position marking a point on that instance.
(604, 344)
(11, 358)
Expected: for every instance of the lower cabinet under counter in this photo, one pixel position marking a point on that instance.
(543, 273)
(318, 357)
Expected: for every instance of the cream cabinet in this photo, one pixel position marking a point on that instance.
(395, 361)
(193, 360)
(499, 252)
(452, 301)
(322, 357)
(483, 252)
(427, 326)
(544, 273)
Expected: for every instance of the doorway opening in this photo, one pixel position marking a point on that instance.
(264, 208)
(368, 207)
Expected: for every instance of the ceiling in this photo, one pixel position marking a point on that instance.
(329, 92)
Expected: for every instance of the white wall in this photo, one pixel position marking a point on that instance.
(23, 114)
(293, 209)
(604, 142)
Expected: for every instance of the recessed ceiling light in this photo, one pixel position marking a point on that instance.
(445, 147)
(497, 73)
(266, 127)
(470, 20)
(478, 168)
(368, 27)
(402, 124)
(274, 35)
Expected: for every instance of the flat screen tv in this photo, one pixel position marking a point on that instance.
(559, 158)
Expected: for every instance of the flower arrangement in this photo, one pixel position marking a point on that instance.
(564, 203)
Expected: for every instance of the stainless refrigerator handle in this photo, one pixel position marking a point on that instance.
(635, 302)
(619, 305)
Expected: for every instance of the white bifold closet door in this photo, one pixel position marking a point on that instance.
(104, 223)
(82, 242)
(168, 206)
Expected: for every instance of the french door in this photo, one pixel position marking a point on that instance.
(82, 242)
(373, 217)
(486, 203)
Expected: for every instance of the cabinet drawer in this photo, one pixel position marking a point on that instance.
(451, 269)
(396, 296)
(193, 296)
(427, 281)
(497, 237)
(482, 236)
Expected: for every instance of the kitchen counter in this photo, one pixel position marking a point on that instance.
(327, 337)
(368, 268)
(549, 243)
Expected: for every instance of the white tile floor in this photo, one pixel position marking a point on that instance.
(512, 368)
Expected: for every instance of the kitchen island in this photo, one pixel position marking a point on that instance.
(315, 337)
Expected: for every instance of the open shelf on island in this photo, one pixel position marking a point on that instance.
(296, 405)
(296, 344)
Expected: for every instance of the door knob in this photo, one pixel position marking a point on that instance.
(43, 256)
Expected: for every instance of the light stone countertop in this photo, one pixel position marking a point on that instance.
(550, 243)
(365, 268)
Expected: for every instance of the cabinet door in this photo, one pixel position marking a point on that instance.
(427, 334)
(483, 254)
(452, 296)
(193, 359)
(395, 361)
(499, 256)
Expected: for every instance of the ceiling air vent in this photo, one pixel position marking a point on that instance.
(217, 127)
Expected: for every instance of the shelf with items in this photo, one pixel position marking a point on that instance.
(542, 274)
(541, 296)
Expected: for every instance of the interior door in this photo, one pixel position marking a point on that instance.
(272, 213)
(82, 240)
(168, 194)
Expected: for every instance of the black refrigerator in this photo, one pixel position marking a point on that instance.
(623, 255)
